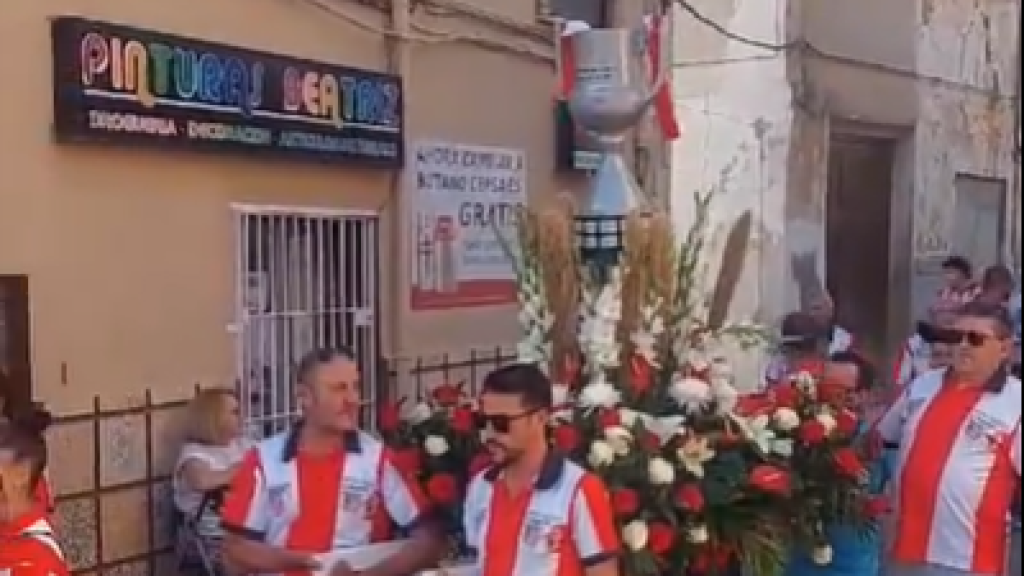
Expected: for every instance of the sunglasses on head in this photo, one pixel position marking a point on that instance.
(500, 423)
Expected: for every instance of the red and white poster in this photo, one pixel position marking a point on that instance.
(464, 202)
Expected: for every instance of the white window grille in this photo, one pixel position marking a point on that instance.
(305, 279)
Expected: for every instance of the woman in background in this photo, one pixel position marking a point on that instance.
(212, 451)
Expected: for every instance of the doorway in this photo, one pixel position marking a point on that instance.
(305, 280)
(858, 226)
(980, 220)
(15, 343)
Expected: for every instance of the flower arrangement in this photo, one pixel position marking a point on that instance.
(435, 442)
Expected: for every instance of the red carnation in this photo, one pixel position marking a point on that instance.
(847, 423)
(479, 463)
(641, 376)
(813, 432)
(407, 460)
(447, 395)
(566, 438)
(771, 479)
(443, 489)
(389, 417)
(689, 497)
(608, 419)
(650, 441)
(625, 501)
(786, 396)
(876, 507)
(660, 537)
(848, 463)
(462, 420)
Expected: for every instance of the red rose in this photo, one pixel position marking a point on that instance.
(876, 507)
(389, 417)
(443, 489)
(813, 432)
(660, 537)
(463, 421)
(771, 479)
(786, 396)
(566, 438)
(479, 463)
(650, 441)
(847, 423)
(848, 463)
(625, 501)
(447, 395)
(407, 460)
(608, 419)
(641, 376)
(689, 497)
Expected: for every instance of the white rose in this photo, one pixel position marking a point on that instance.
(628, 417)
(826, 420)
(786, 419)
(619, 438)
(634, 535)
(660, 471)
(419, 413)
(822, 555)
(698, 534)
(435, 445)
(601, 454)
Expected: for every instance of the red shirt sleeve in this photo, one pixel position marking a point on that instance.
(246, 511)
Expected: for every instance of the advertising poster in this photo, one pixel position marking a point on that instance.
(464, 200)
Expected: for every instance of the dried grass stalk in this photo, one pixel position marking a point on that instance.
(559, 263)
(649, 261)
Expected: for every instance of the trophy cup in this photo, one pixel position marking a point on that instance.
(612, 91)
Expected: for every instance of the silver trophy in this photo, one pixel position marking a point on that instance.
(613, 89)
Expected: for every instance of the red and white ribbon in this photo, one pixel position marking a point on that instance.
(664, 107)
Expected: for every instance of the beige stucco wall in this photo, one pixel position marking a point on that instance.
(131, 255)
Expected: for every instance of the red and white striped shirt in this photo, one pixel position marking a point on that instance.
(959, 465)
(559, 528)
(28, 547)
(319, 503)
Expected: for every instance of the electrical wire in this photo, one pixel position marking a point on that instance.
(722, 30)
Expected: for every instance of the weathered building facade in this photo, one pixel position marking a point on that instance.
(870, 140)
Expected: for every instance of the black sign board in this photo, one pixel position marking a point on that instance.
(574, 149)
(123, 85)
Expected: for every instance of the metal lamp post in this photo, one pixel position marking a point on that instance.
(610, 95)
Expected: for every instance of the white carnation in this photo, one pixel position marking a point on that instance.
(619, 438)
(691, 394)
(786, 419)
(436, 445)
(822, 555)
(697, 359)
(418, 413)
(599, 393)
(629, 417)
(660, 472)
(601, 454)
(635, 535)
(827, 421)
(698, 534)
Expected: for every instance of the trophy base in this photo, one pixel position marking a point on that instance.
(613, 190)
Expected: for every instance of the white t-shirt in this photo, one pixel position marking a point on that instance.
(219, 458)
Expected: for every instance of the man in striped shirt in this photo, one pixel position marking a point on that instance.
(959, 438)
(322, 486)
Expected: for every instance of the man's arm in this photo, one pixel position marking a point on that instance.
(1015, 448)
(889, 426)
(409, 508)
(245, 518)
(593, 528)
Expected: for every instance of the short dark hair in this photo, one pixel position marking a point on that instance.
(801, 332)
(996, 313)
(959, 264)
(23, 438)
(316, 358)
(997, 276)
(527, 381)
(867, 376)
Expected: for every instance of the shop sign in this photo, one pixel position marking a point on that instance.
(574, 149)
(121, 85)
(464, 202)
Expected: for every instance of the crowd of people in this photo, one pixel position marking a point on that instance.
(950, 426)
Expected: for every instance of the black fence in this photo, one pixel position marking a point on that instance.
(111, 467)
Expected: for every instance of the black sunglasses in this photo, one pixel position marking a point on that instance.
(934, 335)
(973, 338)
(500, 423)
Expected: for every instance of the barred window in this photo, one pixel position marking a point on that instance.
(593, 12)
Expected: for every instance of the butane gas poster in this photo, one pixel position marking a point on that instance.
(464, 200)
